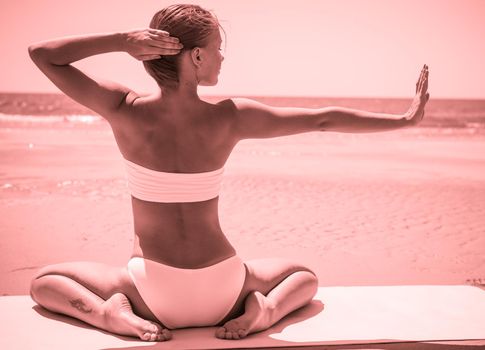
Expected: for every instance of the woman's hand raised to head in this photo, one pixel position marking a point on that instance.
(416, 112)
(150, 44)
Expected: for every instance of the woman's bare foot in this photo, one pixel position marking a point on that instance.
(416, 112)
(257, 317)
(120, 319)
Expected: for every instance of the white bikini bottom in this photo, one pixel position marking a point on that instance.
(188, 297)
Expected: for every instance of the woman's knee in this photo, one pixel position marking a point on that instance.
(279, 267)
(39, 282)
(36, 284)
(265, 274)
(309, 280)
(45, 270)
(42, 285)
(34, 287)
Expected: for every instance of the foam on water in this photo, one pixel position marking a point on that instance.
(50, 119)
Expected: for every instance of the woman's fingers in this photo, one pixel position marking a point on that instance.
(158, 32)
(161, 43)
(418, 83)
(425, 85)
(148, 44)
(422, 84)
(164, 38)
(165, 44)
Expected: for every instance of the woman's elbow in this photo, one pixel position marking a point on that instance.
(325, 118)
(37, 52)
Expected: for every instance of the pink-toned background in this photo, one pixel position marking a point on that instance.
(403, 207)
(306, 47)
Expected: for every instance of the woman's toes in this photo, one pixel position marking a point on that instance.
(235, 335)
(155, 332)
(221, 332)
(153, 329)
(229, 335)
(153, 337)
(242, 333)
(167, 334)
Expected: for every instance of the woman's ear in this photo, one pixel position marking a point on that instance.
(196, 56)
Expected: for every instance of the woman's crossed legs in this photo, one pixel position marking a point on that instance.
(105, 297)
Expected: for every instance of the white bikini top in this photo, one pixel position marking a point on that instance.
(158, 186)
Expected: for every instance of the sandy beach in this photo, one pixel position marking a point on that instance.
(396, 208)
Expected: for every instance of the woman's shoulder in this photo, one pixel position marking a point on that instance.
(236, 104)
(236, 108)
(225, 107)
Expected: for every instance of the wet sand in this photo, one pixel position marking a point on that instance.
(396, 208)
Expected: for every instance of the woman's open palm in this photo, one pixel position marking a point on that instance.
(416, 111)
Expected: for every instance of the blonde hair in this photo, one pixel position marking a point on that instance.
(192, 25)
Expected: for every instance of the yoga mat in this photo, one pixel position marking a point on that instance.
(337, 315)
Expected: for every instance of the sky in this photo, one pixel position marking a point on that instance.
(338, 48)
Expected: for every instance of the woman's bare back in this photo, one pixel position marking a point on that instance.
(191, 138)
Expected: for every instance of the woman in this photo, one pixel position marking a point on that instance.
(183, 271)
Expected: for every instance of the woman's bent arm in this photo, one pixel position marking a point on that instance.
(53, 57)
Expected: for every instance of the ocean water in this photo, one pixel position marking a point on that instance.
(446, 115)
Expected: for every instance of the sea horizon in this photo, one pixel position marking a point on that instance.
(35, 108)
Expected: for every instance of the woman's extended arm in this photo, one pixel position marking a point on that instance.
(54, 58)
(256, 120)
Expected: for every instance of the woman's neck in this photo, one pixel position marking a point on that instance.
(185, 92)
